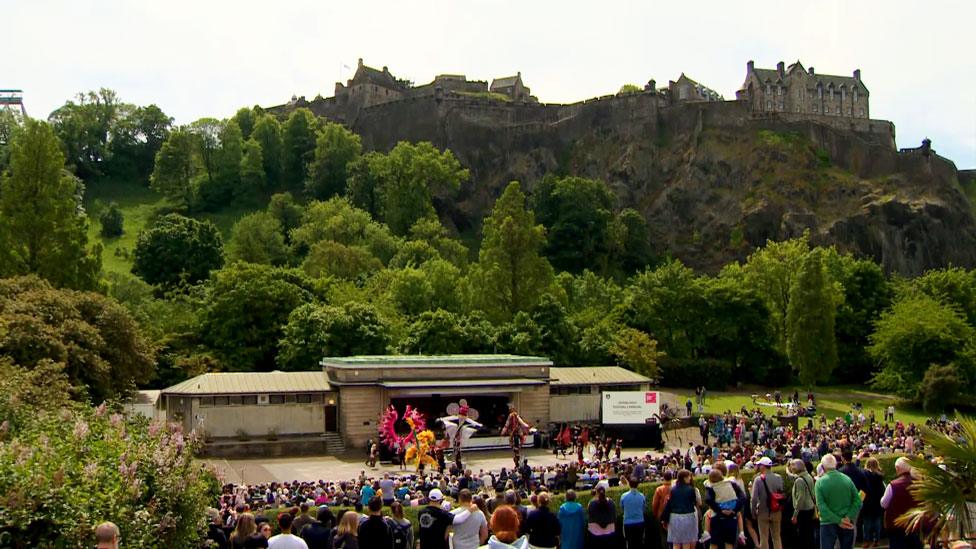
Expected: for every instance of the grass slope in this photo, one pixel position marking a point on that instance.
(831, 401)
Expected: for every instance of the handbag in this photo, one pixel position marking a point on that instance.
(816, 509)
(774, 500)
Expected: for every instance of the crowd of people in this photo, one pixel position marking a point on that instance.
(845, 494)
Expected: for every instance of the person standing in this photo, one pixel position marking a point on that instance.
(681, 512)
(602, 521)
(872, 514)
(347, 533)
(661, 496)
(433, 522)
(571, 522)
(318, 534)
(839, 503)
(542, 526)
(286, 540)
(632, 503)
(470, 523)
(374, 532)
(856, 475)
(767, 494)
(804, 504)
(898, 499)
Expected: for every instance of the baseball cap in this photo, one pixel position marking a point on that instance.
(435, 495)
(765, 461)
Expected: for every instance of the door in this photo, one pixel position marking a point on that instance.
(331, 418)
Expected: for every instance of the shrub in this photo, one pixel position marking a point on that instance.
(713, 373)
(112, 221)
(940, 388)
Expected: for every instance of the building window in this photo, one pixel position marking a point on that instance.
(855, 95)
(769, 105)
(820, 92)
(838, 110)
(289, 399)
(815, 109)
(861, 113)
(235, 400)
(276, 399)
(304, 399)
(222, 401)
(249, 400)
(206, 402)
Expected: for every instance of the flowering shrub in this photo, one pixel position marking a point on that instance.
(65, 467)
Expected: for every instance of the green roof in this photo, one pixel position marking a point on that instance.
(511, 382)
(595, 375)
(433, 361)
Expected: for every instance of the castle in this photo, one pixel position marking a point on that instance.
(792, 90)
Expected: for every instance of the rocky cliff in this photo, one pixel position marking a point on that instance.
(712, 180)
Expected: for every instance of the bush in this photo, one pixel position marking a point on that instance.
(940, 388)
(112, 221)
(713, 373)
(65, 467)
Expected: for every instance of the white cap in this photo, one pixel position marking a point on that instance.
(765, 461)
(435, 495)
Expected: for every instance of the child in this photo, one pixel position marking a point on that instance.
(723, 495)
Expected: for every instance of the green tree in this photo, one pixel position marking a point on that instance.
(175, 168)
(245, 312)
(559, 336)
(136, 137)
(917, 332)
(953, 286)
(811, 344)
(442, 332)
(629, 88)
(229, 160)
(298, 147)
(338, 220)
(85, 126)
(283, 208)
(770, 271)
(43, 229)
(520, 336)
(314, 332)
(331, 258)
(576, 213)
(335, 148)
(431, 231)
(267, 132)
(257, 238)
(416, 175)
(98, 342)
(866, 293)
(629, 243)
(511, 273)
(253, 178)
(246, 119)
(364, 182)
(668, 303)
(206, 142)
(637, 351)
(112, 221)
(177, 249)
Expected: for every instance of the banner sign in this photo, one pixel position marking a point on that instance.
(629, 407)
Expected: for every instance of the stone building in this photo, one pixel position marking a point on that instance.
(795, 89)
(686, 90)
(370, 87)
(512, 86)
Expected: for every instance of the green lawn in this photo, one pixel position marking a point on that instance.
(137, 203)
(831, 401)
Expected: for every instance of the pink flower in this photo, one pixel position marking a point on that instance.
(81, 430)
(100, 411)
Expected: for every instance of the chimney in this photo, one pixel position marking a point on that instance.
(386, 70)
(652, 85)
(750, 66)
(857, 75)
(360, 62)
(781, 69)
(811, 71)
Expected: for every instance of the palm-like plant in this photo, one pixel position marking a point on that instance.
(946, 487)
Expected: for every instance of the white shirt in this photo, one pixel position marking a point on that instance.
(286, 541)
(467, 533)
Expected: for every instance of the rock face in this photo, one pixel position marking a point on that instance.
(713, 181)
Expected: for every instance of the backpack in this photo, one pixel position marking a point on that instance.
(401, 535)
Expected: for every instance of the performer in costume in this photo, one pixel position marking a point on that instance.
(460, 426)
(515, 429)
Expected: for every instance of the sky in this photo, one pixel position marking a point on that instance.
(210, 57)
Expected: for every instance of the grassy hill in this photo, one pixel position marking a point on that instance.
(139, 205)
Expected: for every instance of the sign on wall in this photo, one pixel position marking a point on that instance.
(629, 407)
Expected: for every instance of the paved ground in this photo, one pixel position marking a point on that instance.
(253, 471)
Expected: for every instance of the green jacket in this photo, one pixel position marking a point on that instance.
(836, 498)
(803, 487)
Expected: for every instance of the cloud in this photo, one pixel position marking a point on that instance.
(210, 57)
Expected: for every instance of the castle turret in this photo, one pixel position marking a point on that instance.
(857, 75)
(750, 66)
(781, 69)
